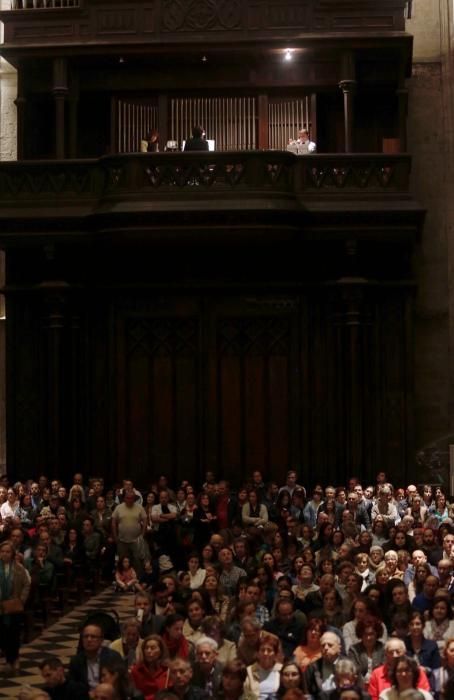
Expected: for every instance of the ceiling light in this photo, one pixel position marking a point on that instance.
(288, 55)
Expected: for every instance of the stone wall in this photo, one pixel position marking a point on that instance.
(8, 90)
(8, 151)
(431, 141)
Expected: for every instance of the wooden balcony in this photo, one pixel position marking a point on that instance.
(264, 187)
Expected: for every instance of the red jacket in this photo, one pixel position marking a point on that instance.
(149, 682)
(380, 681)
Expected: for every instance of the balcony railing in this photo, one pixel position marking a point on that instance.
(42, 4)
(189, 177)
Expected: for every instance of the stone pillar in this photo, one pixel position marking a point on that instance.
(8, 92)
(60, 92)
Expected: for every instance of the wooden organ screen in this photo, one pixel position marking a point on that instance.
(285, 119)
(134, 118)
(230, 121)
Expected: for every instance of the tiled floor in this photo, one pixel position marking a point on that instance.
(61, 640)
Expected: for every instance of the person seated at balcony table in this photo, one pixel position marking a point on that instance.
(197, 142)
(303, 145)
(150, 144)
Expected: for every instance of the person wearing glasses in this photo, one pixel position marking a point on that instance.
(85, 667)
(404, 678)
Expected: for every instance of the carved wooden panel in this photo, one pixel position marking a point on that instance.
(253, 403)
(318, 380)
(200, 18)
(201, 15)
(279, 15)
(159, 411)
(23, 381)
(116, 21)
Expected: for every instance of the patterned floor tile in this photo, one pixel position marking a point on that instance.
(60, 639)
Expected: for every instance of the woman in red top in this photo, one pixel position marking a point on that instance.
(174, 639)
(152, 674)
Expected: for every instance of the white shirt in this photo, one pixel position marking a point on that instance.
(8, 511)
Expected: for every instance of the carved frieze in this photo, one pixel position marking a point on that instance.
(278, 15)
(201, 15)
(116, 22)
(254, 336)
(208, 18)
(33, 31)
(163, 337)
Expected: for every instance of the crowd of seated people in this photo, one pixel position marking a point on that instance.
(264, 593)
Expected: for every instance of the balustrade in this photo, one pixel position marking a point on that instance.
(185, 176)
(42, 4)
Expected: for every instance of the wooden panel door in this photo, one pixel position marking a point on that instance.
(158, 391)
(253, 387)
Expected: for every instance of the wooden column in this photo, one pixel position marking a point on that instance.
(75, 452)
(348, 86)
(54, 303)
(20, 103)
(350, 319)
(60, 92)
(73, 105)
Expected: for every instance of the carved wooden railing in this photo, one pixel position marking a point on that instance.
(190, 176)
(42, 4)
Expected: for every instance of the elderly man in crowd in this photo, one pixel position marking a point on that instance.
(320, 675)
(380, 678)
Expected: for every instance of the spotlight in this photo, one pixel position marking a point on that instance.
(288, 55)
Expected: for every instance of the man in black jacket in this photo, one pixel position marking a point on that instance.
(181, 676)
(320, 674)
(287, 625)
(55, 683)
(85, 667)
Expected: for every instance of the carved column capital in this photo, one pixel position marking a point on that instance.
(348, 86)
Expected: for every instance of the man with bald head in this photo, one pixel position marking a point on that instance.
(104, 691)
(410, 492)
(418, 557)
(320, 675)
(380, 679)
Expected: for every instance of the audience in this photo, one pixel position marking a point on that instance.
(228, 586)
